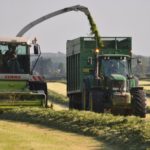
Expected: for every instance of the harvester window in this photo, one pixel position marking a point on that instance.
(21, 50)
(15, 59)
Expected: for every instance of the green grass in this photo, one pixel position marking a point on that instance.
(130, 133)
(148, 109)
(58, 98)
(41, 138)
(147, 92)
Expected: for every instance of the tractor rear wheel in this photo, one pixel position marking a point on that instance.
(138, 102)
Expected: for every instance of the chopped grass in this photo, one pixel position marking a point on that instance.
(129, 132)
(58, 98)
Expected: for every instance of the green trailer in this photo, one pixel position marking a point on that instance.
(19, 86)
(101, 80)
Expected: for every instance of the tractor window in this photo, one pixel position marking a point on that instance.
(115, 66)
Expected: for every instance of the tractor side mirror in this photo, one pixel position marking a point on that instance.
(36, 49)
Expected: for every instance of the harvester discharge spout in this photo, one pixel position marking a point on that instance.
(83, 9)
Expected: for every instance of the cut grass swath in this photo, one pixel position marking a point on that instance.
(129, 132)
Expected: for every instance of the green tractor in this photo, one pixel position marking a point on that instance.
(18, 85)
(101, 80)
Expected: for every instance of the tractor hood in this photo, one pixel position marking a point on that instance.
(117, 77)
(118, 83)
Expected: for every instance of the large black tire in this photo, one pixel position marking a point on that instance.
(85, 103)
(98, 99)
(75, 101)
(138, 102)
(71, 102)
(38, 85)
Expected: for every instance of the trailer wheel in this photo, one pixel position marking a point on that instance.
(85, 98)
(138, 102)
(97, 100)
(75, 101)
(70, 102)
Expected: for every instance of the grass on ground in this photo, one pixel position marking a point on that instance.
(42, 138)
(128, 132)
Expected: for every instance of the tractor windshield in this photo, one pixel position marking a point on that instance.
(115, 65)
(14, 59)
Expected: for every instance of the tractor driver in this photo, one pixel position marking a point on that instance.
(110, 67)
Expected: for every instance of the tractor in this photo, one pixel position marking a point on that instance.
(101, 80)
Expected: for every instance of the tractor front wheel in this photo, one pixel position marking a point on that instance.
(138, 102)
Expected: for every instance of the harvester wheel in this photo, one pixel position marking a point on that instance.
(138, 102)
(35, 86)
(97, 100)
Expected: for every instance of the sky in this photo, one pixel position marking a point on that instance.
(112, 17)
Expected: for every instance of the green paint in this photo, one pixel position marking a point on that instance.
(118, 77)
(132, 83)
(13, 86)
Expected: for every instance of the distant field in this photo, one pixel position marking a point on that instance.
(57, 87)
(146, 85)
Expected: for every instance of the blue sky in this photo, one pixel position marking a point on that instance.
(113, 18)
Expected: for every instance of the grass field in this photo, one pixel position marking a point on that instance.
(127, 132)
(60, 88)
(130, 133)
(32, 137)
(146, 85)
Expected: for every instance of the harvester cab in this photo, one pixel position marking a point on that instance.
(18, 86)
(102, 79)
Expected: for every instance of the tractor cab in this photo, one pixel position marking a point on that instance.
(115, 65)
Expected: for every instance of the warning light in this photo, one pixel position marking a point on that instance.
(97, 50)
